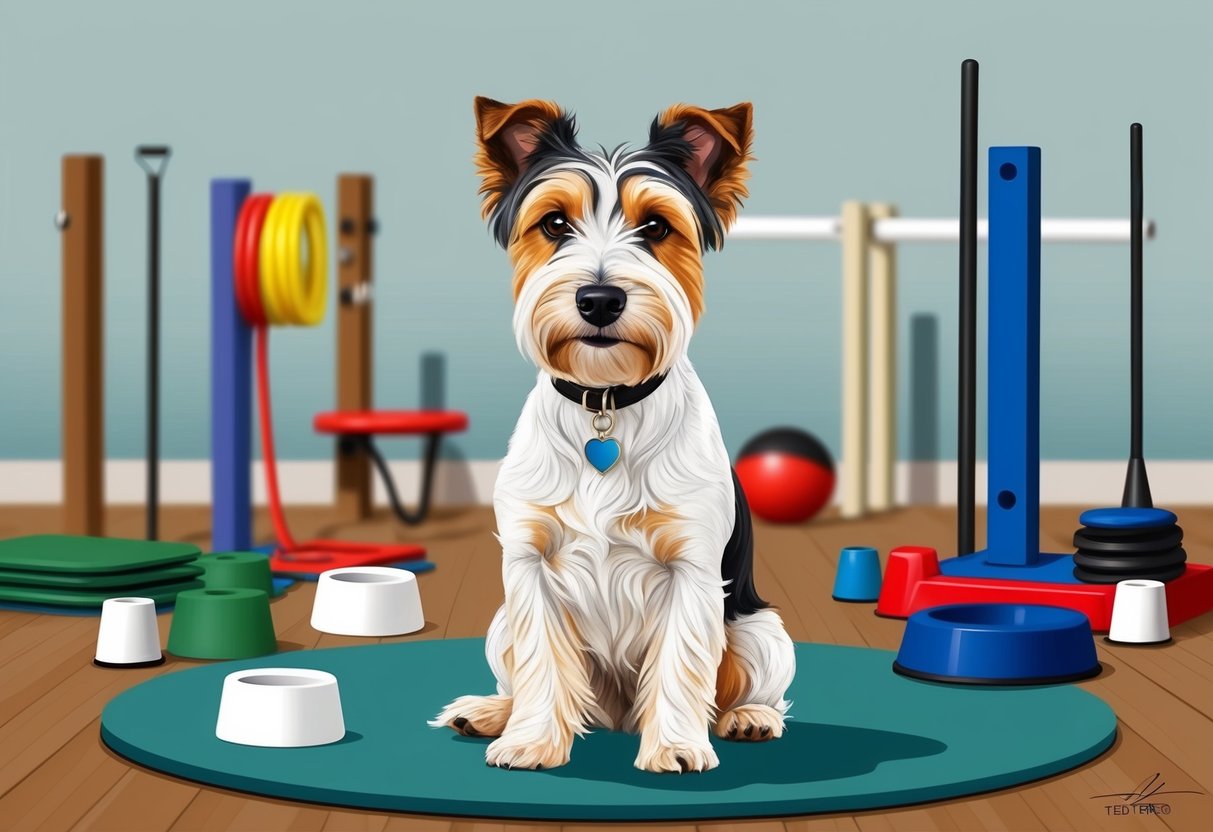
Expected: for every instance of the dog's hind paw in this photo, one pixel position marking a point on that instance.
(476, 716)
(750, 723)
(679, 758)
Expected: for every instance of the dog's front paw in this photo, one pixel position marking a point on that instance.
(511, 751)
(750, 723)
(476, 716)
(679, 758)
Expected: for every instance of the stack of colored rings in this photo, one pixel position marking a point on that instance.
(281, 260)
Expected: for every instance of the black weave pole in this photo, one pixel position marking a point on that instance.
(966, 417)
(1137, 484)
(154, 160)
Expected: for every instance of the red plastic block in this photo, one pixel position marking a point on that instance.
(907, 568)
(913, 582)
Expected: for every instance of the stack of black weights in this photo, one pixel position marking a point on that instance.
(1120, 544)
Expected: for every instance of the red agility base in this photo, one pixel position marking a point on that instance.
(312, 557)
(913, 582)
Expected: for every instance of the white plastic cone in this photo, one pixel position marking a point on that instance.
(1139, 613)
(128, 635)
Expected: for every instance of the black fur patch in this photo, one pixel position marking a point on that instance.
(737, 565)
(667, 151)
(556, 144)
(672, 153)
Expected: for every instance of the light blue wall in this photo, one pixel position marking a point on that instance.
(852, 100)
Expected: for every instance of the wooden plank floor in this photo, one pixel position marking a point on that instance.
(56, 774)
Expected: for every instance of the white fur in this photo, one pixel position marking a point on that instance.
(603, 244)
(625, 604)
(598, 629)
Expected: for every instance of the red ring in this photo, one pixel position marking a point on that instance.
(240, 282)
(246, 257)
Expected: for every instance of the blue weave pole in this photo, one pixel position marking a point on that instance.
(1013, 524)
(231, 381)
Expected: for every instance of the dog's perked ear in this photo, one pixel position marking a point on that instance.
(508, 136)
(713, 147)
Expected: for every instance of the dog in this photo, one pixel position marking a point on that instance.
(627, 548)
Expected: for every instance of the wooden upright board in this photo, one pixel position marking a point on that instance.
(355, 228)
(83, 250)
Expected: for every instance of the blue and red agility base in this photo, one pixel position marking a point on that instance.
(1012, 569)
(913, 581)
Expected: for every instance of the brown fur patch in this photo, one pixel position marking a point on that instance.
(529, 247)
(725, 185)
(662, 528)
(543, 530)
(732, 682)
(679, 251)
(624, 363)
(497, 159)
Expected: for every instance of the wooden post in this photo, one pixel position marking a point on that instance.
(82, 227)
(856, 240)
(882, 436)
(355, 228)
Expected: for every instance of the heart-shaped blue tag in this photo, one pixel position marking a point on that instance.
(602, 453)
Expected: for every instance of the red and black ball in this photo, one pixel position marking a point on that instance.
(787, 475)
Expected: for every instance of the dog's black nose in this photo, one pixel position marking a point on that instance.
(601, 305)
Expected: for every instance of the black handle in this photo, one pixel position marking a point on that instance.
(145, 153)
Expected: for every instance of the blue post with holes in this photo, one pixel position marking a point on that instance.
(231, 381)
(1013, 524)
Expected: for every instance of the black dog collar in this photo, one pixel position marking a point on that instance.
(592, 397)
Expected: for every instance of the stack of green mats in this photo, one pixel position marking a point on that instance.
(80, 573)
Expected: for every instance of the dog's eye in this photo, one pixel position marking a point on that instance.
(654, 229)
(555, 225)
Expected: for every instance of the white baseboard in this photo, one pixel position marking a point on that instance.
(310, 482)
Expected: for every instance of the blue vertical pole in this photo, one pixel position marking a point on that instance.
(231, 381)
(1013, 525)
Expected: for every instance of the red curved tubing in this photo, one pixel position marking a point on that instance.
(285, 541)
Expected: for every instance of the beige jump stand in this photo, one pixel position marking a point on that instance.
(869, 426)
(869, 234)
(82, 230)
(856, 240)
(882, 429)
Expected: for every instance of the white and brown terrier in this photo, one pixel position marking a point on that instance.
(626, 540)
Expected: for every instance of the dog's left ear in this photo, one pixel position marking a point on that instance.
(719, 143)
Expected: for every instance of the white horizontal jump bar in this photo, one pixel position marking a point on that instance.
(907, 230)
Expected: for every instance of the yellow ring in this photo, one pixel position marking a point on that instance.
(286, 243)
(269, 297)
(292, 292)
(317, 284)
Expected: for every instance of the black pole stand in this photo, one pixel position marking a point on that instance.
(966, 418)
(154, 160)
(1137, 485)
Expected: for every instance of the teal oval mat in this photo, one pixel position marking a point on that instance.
(861, 737)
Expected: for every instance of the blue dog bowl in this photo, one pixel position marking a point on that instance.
(997, 644)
